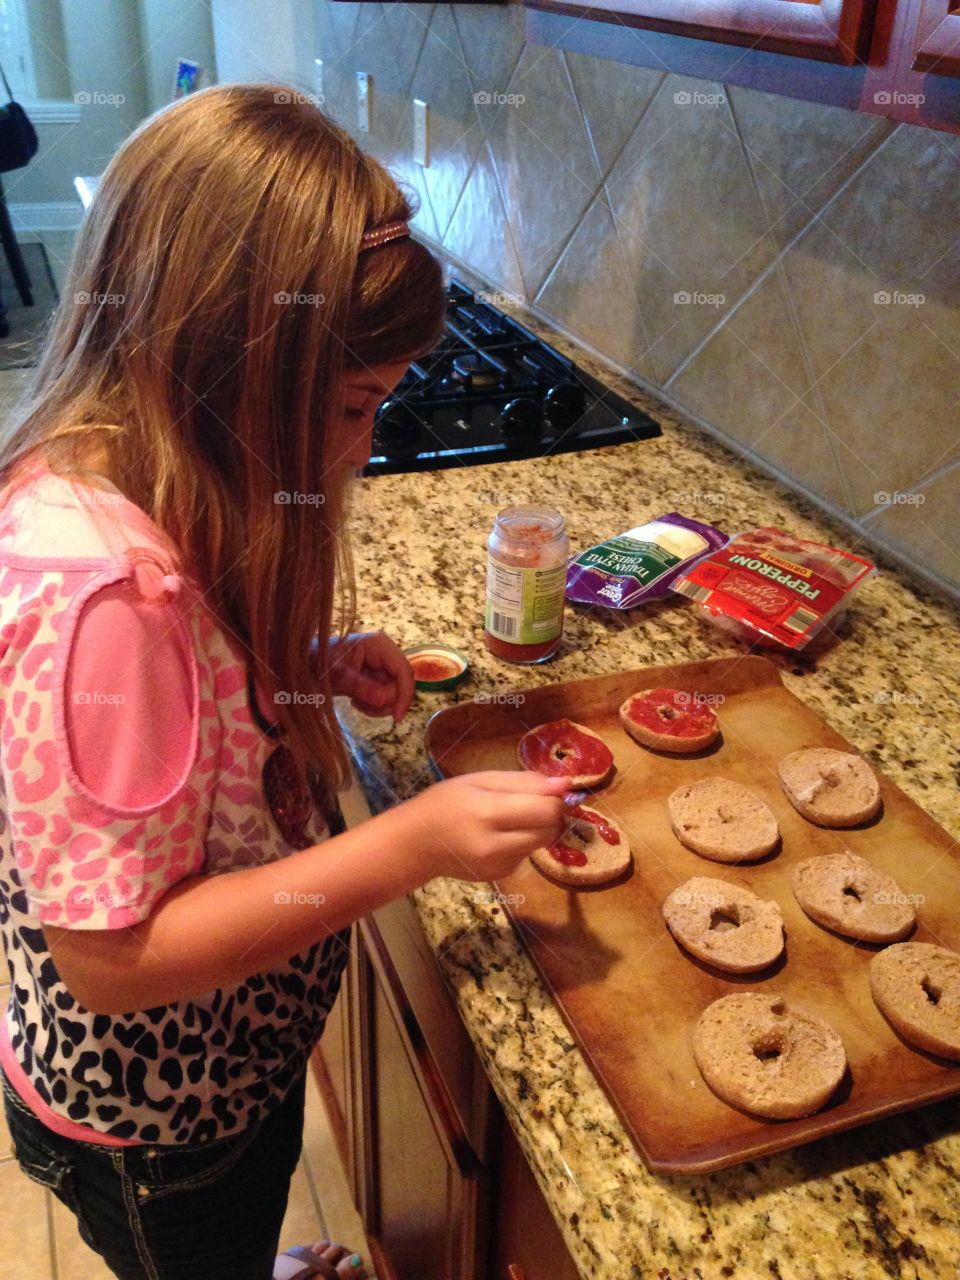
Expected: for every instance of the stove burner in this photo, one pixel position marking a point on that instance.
(492, 390)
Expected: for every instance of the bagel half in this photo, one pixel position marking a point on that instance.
(916, 986)
(722, 820)
(846, 893)
(830, 788)
(724, 924)
(595, 838)
(768, 1058)
(563, 748)
(669, 720)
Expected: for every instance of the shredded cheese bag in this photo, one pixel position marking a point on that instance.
(766, 584)
(640, 564)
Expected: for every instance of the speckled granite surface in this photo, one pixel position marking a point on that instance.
(880, 1201)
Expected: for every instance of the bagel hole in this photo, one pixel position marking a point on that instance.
(832, 778)
(768, 1049)
(850, 892)
(723, 919)
(667, 713)
(932, 992)
(778, 1007)
(726, 815)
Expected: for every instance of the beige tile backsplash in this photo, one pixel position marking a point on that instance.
(787, 272)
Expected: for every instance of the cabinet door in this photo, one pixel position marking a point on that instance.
(829, 30)
(424, 1185)
(526, 1243)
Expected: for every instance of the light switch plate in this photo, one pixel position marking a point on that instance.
(421, 135)
(364, 93)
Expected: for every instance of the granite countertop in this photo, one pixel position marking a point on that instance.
(878, 1201)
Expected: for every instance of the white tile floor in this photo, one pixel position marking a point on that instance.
(39, 1240)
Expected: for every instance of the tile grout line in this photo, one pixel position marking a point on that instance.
(780, 255)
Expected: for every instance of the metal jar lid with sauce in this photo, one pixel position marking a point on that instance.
(436, 667)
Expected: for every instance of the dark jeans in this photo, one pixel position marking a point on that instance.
(208, 1212)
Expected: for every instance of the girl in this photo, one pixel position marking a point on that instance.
(175, 608)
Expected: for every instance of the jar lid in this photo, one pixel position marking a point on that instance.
(436, 666)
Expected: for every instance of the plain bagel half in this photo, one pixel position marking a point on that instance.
(767, 1057)
(844, 892)
(916, 986)
(724, 924)
(722, 820)
(830, 788)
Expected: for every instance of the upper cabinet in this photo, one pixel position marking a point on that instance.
(832, 30)
(894, 58)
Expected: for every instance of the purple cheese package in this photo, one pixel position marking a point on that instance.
(640, 565)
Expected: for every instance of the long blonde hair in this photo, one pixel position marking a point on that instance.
(216, 295)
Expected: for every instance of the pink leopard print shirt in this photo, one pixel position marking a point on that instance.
(102, 810)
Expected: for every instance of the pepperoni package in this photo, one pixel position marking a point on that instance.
(766, 584)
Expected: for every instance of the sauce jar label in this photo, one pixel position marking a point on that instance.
(524, 606)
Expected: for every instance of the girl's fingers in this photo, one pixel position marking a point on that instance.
(521, 781)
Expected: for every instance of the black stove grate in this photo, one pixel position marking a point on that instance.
(493, 391)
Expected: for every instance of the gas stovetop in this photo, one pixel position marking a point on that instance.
(493, 391)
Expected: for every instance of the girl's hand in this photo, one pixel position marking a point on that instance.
(482, 825)
(369, 669)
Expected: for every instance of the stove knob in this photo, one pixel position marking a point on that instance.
(521, 417)
(563, 404)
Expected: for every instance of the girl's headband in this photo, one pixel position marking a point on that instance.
(380, 235)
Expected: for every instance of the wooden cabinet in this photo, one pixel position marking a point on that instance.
(832, 30)
(895, 58)
(438, 1178)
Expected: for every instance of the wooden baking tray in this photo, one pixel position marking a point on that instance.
(628, 993)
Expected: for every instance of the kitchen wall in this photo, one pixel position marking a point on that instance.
(785, 272)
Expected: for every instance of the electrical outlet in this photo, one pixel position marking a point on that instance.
(364, 94)
(318, 78)
(421, 135)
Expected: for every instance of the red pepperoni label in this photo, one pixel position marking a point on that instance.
(560, 749)
(674, 712)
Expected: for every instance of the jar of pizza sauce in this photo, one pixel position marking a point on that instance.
(527, 555)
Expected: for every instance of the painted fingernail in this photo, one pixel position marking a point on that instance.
(355, 1260)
